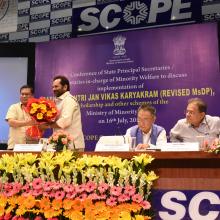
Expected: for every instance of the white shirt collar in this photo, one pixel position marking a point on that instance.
(149, 132)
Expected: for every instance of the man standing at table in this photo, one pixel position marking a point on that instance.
(18, 119)
(69, 117)
(196, 123)
(146, 132)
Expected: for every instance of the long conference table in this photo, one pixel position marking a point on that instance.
(177, 170)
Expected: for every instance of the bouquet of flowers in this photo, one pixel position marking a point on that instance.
(41, 110)
(60, 140)
(214, 147)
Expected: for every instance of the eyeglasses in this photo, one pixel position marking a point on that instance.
(189, 112)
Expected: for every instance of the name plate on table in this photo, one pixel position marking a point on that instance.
(112, 147)
(186, 146)
(28, 147)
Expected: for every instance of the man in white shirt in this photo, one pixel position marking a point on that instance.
(146, 132)
(196, 123)
(18, 119)
(69, 117)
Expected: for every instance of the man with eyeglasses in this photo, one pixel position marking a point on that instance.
(196, 123)
(18, 119)
(146, 132)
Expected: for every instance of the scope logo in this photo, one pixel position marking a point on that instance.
(142, 10)
(195, 205)
(126, 15)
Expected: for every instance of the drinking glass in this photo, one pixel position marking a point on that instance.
(132, 143)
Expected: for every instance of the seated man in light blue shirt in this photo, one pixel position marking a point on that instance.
(146, 132)
(196, 123)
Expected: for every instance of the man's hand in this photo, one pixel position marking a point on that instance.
(142, 146)
(21, 123)
(44, 126)
(31, 122)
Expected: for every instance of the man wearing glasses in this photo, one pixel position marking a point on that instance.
(196, 123)
(146, 132)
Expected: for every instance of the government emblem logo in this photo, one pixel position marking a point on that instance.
(119, 43)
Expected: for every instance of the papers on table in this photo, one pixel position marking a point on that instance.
(106, 147)
(121, 143)
(112, 143)
(186, 146)
(28, 147)
(112, 140)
